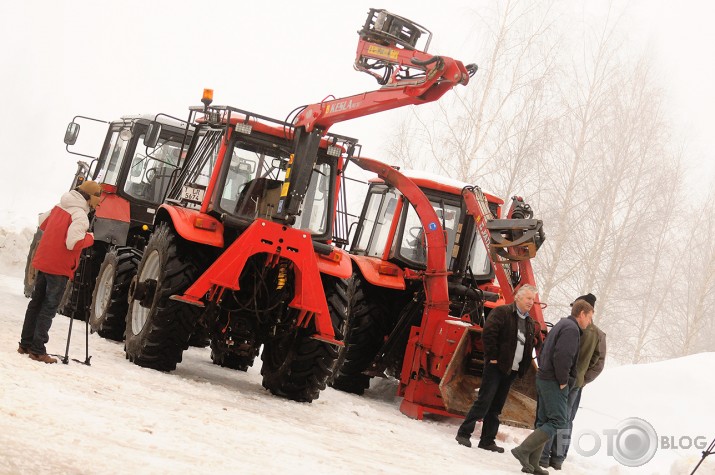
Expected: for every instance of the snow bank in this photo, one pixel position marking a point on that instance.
(14, 246)
(675, 397)
(115, 417)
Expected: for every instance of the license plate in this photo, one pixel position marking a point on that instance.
(193, 194)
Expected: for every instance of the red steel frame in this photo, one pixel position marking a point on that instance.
(431, 345)
(441, 75)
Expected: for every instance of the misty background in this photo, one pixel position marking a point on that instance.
(598, 113)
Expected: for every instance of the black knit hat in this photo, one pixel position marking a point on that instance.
(590, 298)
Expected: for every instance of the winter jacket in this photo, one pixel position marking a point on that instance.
(557, 360)
(499, 338)
(64, 236)
(598, 359)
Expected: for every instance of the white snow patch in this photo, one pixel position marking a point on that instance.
(114, 417)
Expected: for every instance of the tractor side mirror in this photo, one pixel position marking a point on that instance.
(152, 135)
(71, 133)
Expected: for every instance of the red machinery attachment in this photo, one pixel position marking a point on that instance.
(412, 77)
(246, 232)
(442, 350)
(419, 319)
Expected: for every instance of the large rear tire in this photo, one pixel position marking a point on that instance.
(297, 366)
(365, 336)
(108, 310)
(158, 328)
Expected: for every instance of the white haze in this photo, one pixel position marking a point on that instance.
(105, 59)
(115, 417)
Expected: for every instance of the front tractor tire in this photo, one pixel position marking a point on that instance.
(157, 328)
(297, 366)
(108, 310)
(365, 336)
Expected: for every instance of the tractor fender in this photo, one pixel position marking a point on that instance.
(337, 264)
(192, 225)
(112, 206)
(111, 220)
(380, 273)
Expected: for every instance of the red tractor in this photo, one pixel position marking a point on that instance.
(135, 167)
(244, 243)
(400, 325)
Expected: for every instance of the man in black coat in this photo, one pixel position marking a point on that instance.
(557, 365)
(508, 338)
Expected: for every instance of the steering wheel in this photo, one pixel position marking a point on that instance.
(150, 174)
(415, 232)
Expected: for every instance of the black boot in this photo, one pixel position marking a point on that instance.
(534, 461)
(531, 444)
(463, 440)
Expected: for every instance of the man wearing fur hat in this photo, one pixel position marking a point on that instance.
(64, 236)
(591, 358)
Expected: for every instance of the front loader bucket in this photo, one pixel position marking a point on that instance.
(463, 377)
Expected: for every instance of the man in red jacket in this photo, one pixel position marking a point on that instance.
(63, 238)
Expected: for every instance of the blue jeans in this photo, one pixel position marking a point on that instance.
(492, 395)
(558, 447)
(552, 413)
(41, 310)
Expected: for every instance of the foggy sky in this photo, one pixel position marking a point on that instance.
(105, 59)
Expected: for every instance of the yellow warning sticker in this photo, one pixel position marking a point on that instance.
(284, 190)
(383, 52)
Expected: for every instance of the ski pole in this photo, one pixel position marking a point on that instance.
(65, 360)
(84, 283)
(86, 342)
(79, 276)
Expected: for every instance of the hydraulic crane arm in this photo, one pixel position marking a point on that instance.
(411, 76)
(387, 42)
(512, 243)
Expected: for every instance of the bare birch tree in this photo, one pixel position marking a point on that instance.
(585, 137)
(498, 126)
(691, 327)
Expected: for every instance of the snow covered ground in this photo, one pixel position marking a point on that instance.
(114, 417)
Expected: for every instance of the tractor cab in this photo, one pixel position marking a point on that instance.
(138, 173)
(132, 165)
(239, 168)
(390, 229)
(396, 328)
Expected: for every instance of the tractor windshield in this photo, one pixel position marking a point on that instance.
(250, 182)
(412, 243)
(376, 225)
(252, 187)
(479, 262)
(110, 162)
(375, 222)
(152, 170)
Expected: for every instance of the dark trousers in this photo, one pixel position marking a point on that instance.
(491, 398)
(552, 412)
(41, 310)
(558, 447)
